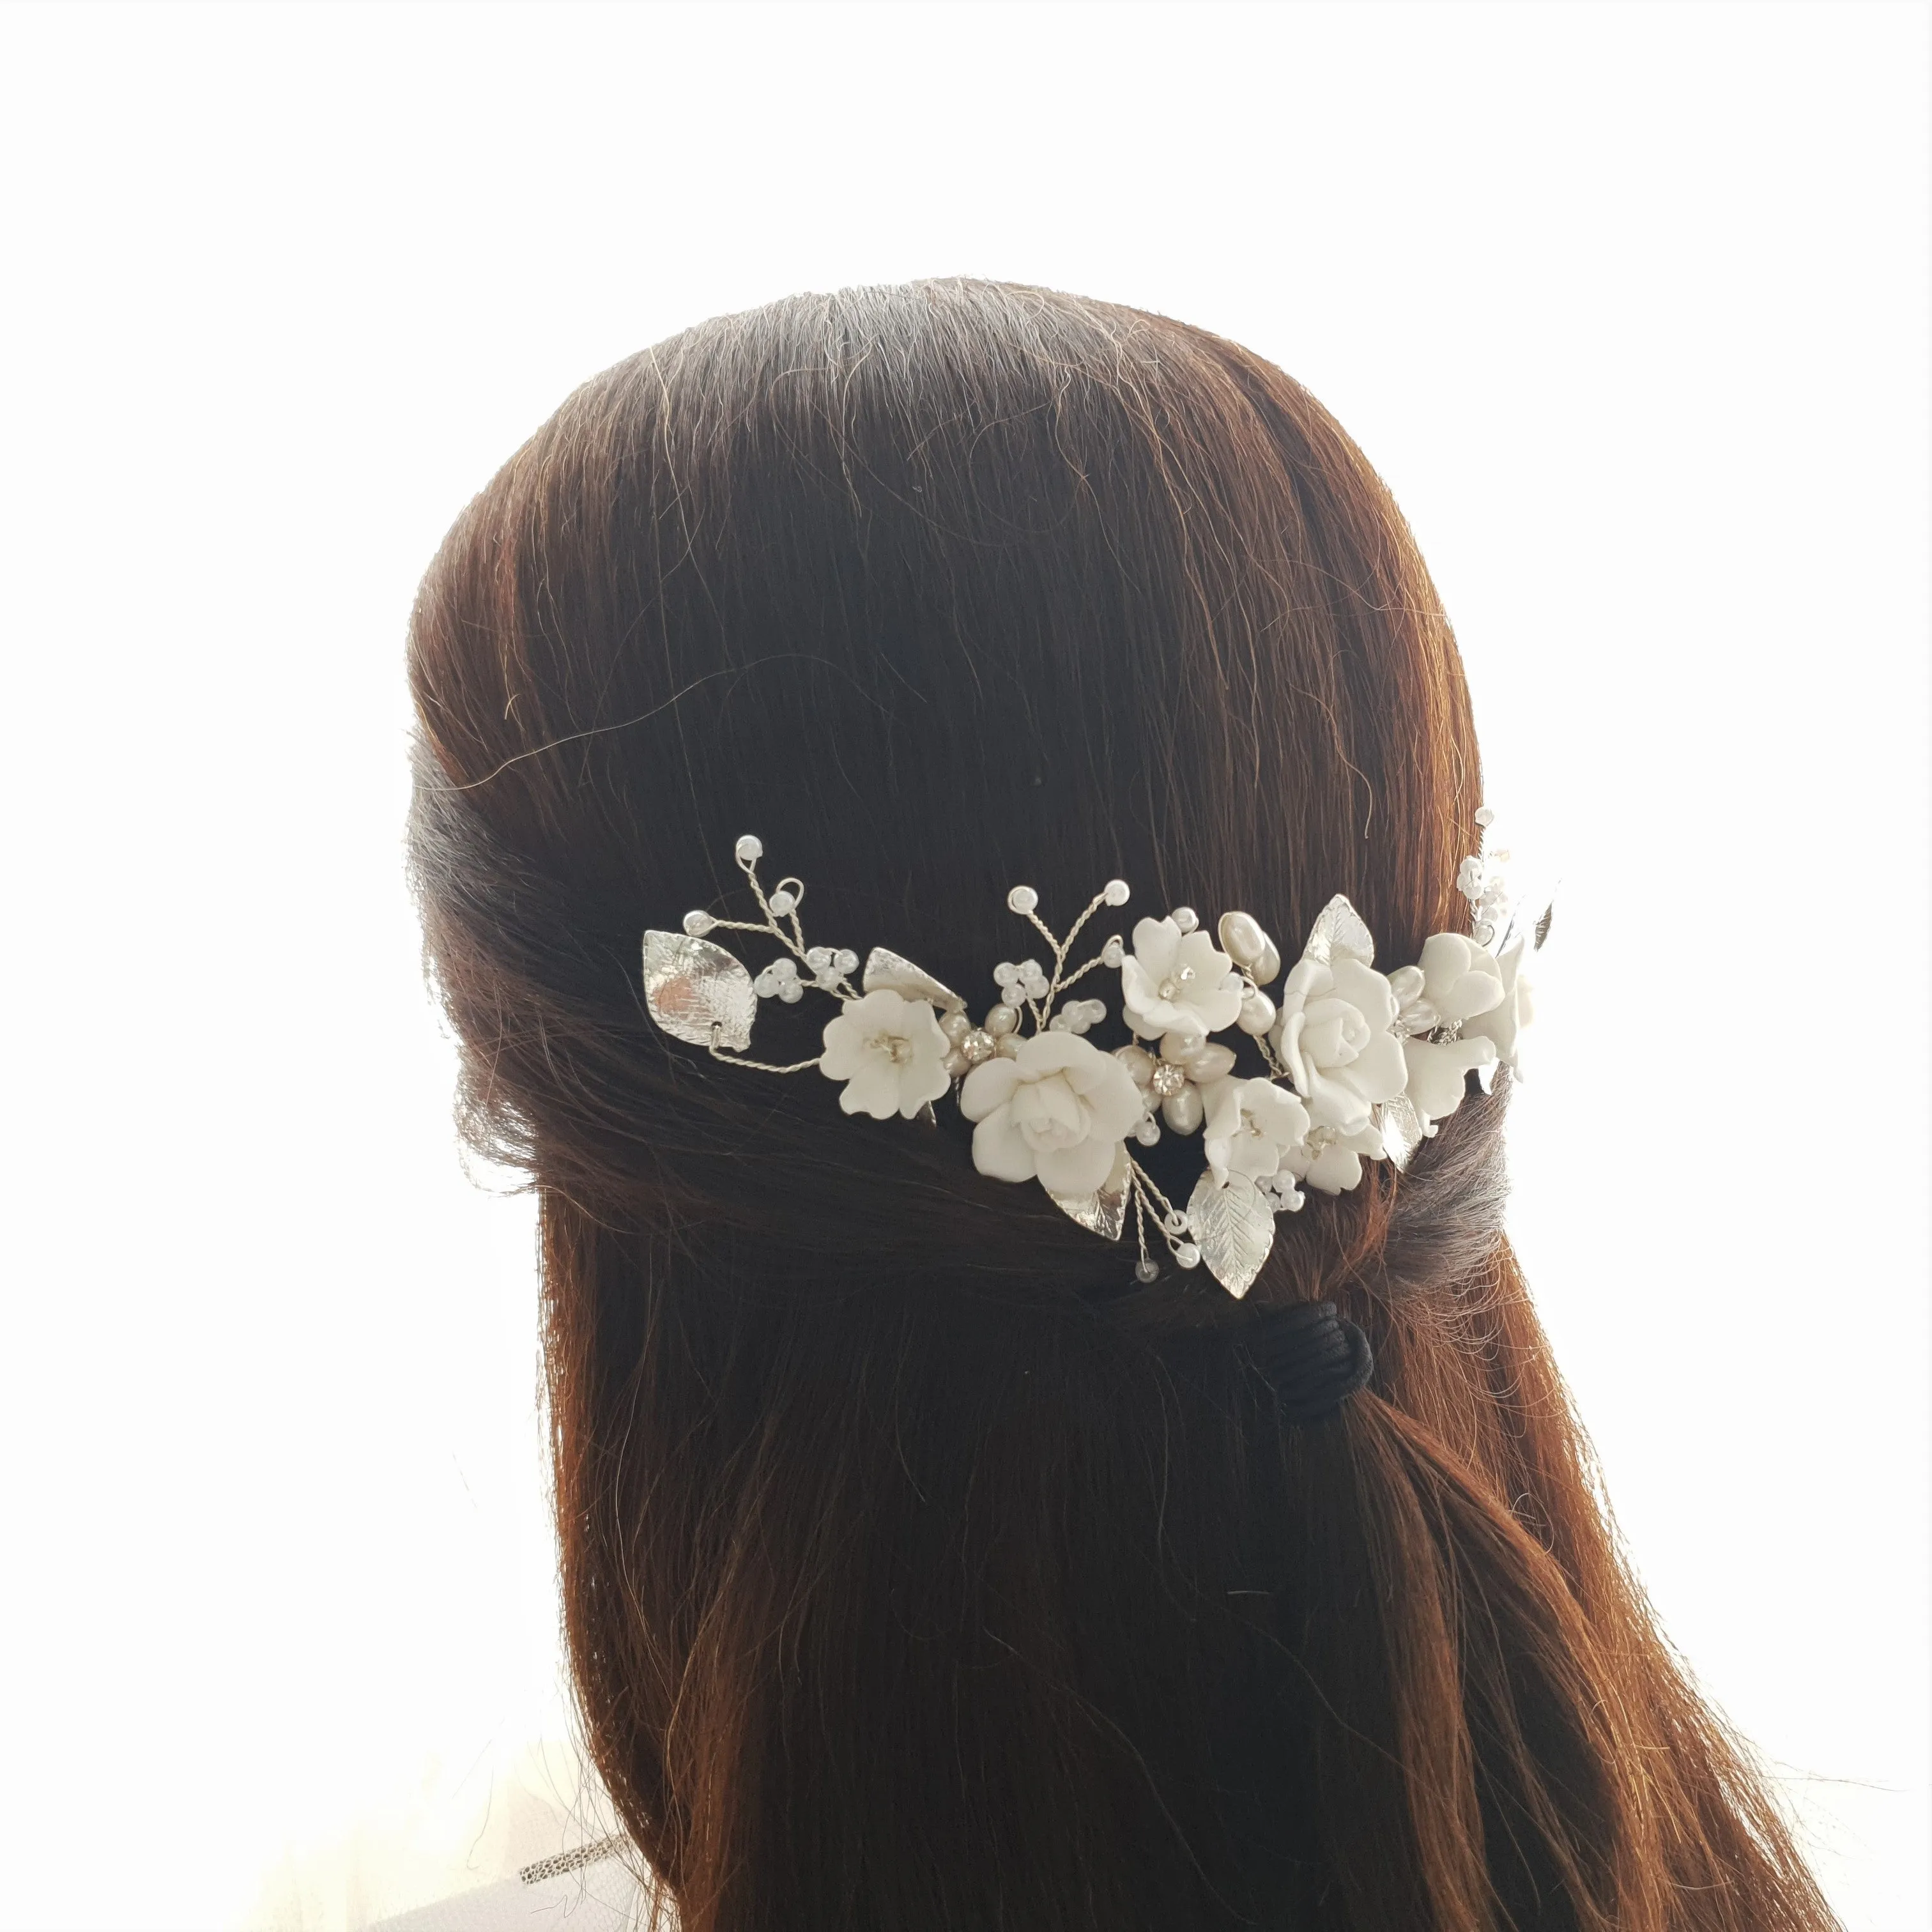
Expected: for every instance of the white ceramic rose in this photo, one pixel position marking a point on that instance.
(1334, 1035)
(1251, 1125)
(1178, 982)
(890, 1053)
(1057, 1110)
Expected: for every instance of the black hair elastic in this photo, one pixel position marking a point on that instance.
(1311, 1357)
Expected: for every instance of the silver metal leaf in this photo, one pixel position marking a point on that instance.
(1401, 1128)
(888, 969)
(691, 986)
(1104, 1211)
(1233, 1226)
(1339, 929)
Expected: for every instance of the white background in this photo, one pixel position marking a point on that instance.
(1627, 302)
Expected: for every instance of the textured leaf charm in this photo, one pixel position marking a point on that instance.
(1402, 1129)
(1339, 929)
(691, 986)
(1234, 1228)
(1105, 1210)
(885, 968)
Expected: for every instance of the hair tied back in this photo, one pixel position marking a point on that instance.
(1311, 1357)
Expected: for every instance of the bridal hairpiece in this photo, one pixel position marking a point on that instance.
(1358, 1064)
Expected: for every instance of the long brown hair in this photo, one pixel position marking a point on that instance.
(919, 1569)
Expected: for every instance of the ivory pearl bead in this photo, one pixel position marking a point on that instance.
(1257, 1013)
(1242, 938)
(1214, 1062)
(1137, 1061)
(1002, 1019)
(1183, 1111)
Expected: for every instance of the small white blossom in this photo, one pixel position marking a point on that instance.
(890, 1053)
(1251, 1125)
(1504, 1022)
(1330, 1159)
(1177, 982)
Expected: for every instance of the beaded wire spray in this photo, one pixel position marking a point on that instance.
(1358, 1064)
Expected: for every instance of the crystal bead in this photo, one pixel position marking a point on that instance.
(1188, 1255)
(978, 1045)
(1005, 974)
(791, 992)
(1145, 1272)
(782, 902)
(698, 924)
(846, 960)
(818, 957)
(750, 850)
(1166, 1079)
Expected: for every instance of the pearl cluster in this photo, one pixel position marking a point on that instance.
(780, 979)
(1077, 1016)
(1018, 984)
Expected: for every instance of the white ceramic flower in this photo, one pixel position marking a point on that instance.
(1251, 1124)
(1058, 1112)
(1439, 1072)
(1504, 1022)
(1334, 1035)
(1178, 982)
(890, 1053)
(1332, 1160)
(1459, 979)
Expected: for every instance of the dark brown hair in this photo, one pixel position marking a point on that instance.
(919, 1569)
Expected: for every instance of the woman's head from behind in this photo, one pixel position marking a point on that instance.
(920, 1568)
